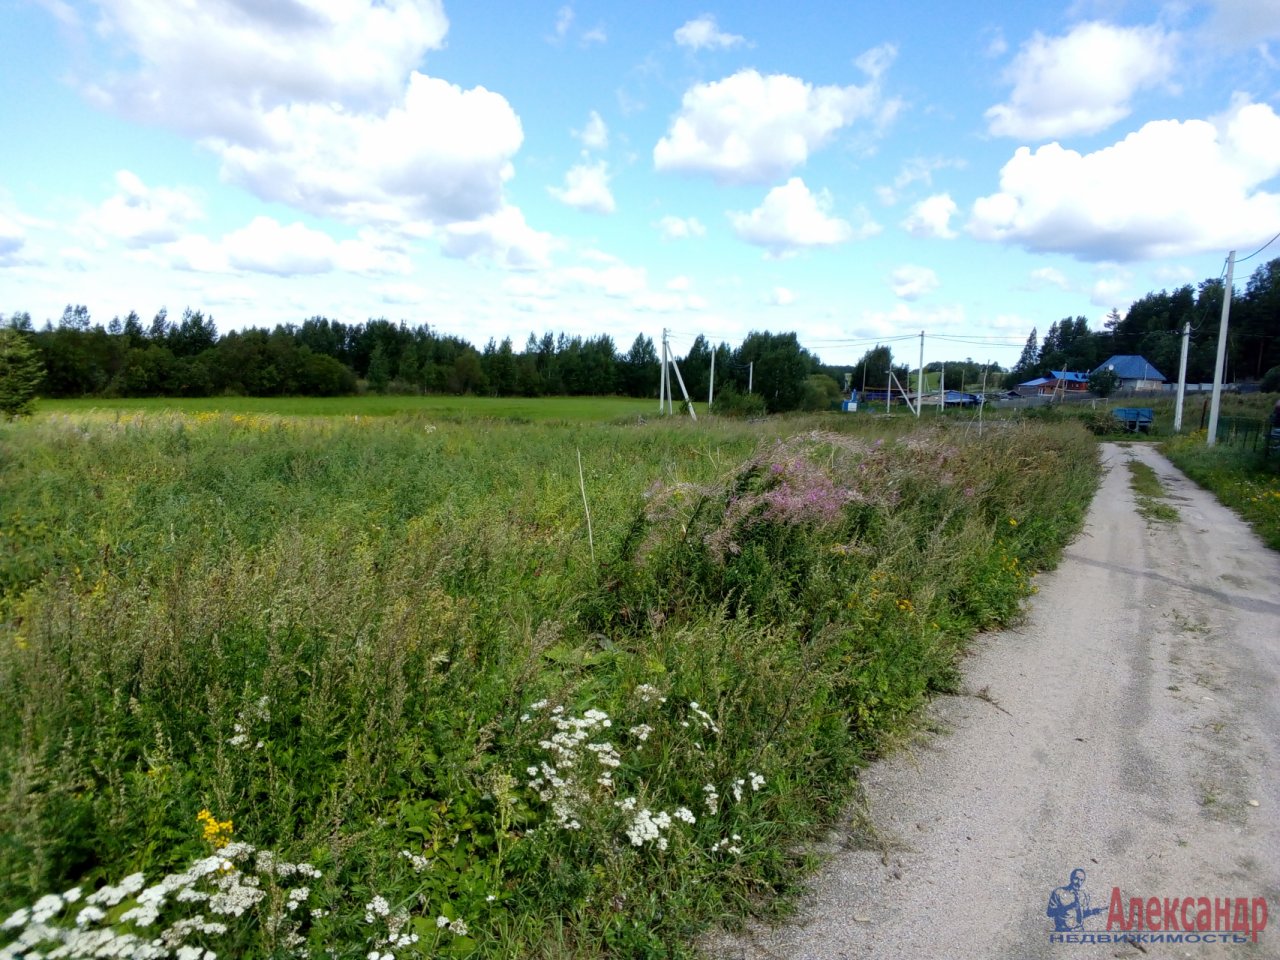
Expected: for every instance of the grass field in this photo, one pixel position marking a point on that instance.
(520, 409)
(274, 686)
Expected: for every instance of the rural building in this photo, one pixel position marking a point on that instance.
(1134, 372)
(1057, 383)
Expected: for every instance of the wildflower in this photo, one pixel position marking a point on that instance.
(647, 692)
(711, 798)
(377, 907)
(685, 814)
(418, 862)
(1013, 522)
(216, 832)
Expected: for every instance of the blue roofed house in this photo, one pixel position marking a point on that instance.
(1133, 372)
(1057, 383)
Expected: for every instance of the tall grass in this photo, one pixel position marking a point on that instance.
(1243, 479)
(381, 649)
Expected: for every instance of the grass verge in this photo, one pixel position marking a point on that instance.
(1241, 478)
(1149, 491)
(280, 686)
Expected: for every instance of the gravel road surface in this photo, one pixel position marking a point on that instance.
(1130, 726)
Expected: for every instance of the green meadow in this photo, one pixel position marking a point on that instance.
(373, 405)
(277, 682)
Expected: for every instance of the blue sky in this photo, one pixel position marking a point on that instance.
(849, 171)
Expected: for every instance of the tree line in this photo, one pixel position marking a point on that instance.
(1152, 328)
(187, 357)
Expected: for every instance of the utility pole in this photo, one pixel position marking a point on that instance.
(683, 392)
(662, 382)
(751, 374)
(920, 378)
(942, 388)
(711, 390)
(1182, 378)
(1222, 350)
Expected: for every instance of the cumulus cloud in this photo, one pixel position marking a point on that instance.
(265, 245)
(780, 297)
(681, 228)
(911, 282)
(931, 217)
(595, 135)
(791, 217)
(215, 67)
(12, 239)
(503, 237)
(752, 128)
(703, 32)
(1082, 82)
(317, 104)
(442, 155)
(1172, 188)
(142, 216)
(586, 187)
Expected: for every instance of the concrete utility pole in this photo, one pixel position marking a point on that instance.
(1222, 350)
(920, 379)
(662, 383)
(711, 389)
(1182, 378)
(751, 374)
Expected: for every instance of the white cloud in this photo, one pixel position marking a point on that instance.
(503, 237)
(703, 32)
(316, 103)
(1048, 277)
(265, 245)
(911, 282)
(1110, 292)
(142, 216)
(916, 170)
(791, 217)
(596, 34)
(680, 228)
(586, 187)
(215, 68)
(1242, 23)
(402, 293)
(780, 297)
(441, 156)
(12, 239)
(595, 135)
(564, 20)
(931, 217)
(616, 280)
(1170, 189)
(1082, 82)
(750, 128)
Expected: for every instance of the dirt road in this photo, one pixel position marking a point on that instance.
(1130, 727)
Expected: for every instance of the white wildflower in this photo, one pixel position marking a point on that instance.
(647, 692)
(736, 789)
(377, 907)
(757, 781)
(685, 814)
(418, 862)
(711, 798)
(16, 919)
(641, 732)
(442, 921)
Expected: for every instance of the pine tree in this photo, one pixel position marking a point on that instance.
(20, 373)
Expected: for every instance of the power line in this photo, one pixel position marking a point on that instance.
(1259, 250)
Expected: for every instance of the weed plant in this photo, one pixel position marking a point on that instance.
(275, 686)
(1243, 479)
